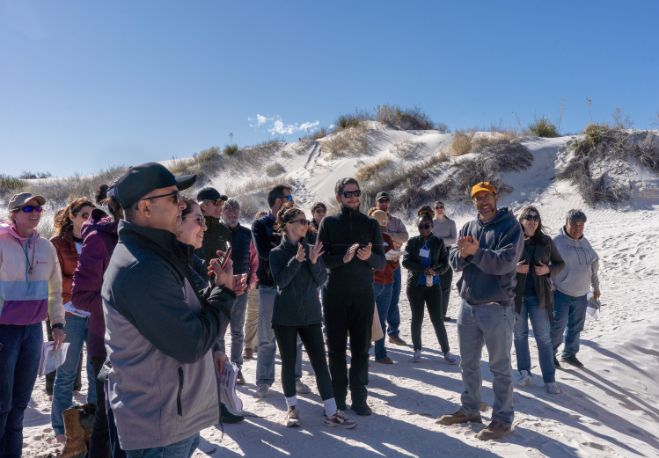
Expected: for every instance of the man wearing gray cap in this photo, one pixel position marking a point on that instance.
(217, 234)
(162, 386)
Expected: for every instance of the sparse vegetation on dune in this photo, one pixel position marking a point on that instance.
(543, 127)
(11, 185)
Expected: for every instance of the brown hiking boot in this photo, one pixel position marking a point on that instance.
(396, 340)
(494, 430)
(458, 417)
(248, 354)
(75, 445)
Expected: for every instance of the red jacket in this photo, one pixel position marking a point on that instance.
(68, 261)
(386, 275)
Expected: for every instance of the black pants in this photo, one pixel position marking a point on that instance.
(432, 297)
(446, 282)
(99, 445)
(312, 339)
(349, 311)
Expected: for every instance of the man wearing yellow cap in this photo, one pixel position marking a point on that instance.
(486, 253)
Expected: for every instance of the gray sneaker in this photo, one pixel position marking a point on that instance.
(553, 388)
(262, 391)
(339, 419)
(417, 356)
(451, 358)
(292, 418)
(524, 378)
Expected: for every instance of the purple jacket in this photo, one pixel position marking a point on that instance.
(99, 236)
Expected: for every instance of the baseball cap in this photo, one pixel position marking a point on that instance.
(382, 195)
(20, 200)
(482, 186)
(142, 179)
(381, 217)
(210, 194)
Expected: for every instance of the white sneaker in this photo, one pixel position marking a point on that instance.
(553, 388)
(262, 391)
(417, 356)
(451, 358)
(301, 388)
(524, 378)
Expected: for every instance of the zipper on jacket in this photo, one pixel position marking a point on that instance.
(179, 406)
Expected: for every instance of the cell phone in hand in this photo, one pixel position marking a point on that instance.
(226, 258)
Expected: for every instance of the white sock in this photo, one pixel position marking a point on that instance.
(330, 407)
(291, 402)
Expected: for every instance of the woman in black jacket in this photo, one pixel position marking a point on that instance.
(298, 271)
(533, 299)
(426, 259)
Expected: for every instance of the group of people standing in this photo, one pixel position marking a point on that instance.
(151, 280)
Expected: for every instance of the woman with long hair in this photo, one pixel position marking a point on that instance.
(298, 270)
(534, 299)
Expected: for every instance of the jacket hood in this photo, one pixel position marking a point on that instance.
(569, 240)
(99, 221)
(501, 215)
(6, 228)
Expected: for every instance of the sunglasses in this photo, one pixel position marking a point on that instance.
(383, 201)
(439, 207)
(303, 222)
(532, 217)
(349, 194)
(31, 208)
(288, 198)
(175, 195)
(425, 226)
(199, 220)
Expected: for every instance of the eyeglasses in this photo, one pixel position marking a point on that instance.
(531, 217)
(320, 210)
(32, 208)
(199, 220)
(349, 194)
(439, 207)
(175, 195)
(425, 226)
(303, 222)
(288, 198)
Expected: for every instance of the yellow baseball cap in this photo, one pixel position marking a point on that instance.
(482, 186)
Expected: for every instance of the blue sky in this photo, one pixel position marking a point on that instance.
(87, 85)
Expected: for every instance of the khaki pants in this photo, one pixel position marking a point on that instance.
(252, 320)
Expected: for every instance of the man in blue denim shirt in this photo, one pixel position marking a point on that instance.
(486, 253)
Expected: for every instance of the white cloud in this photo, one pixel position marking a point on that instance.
(276, 125)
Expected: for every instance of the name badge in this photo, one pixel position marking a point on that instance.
(424, 252)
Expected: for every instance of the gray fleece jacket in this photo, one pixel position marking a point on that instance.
(581, 266)
(489, 275)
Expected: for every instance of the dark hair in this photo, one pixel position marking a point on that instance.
(425, 217)
(110, 202)
(189, 206)
(285, 215)
(438, 202)
(318, 205)
(575, 216)
(531, 209)
(260, 214)
(343, 182)
(62, 220)
(277, 192)
(426, 210)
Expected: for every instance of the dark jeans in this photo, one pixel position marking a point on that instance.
(20, 351)
(446, 282)
(569, 319)
(349, 311)
(312, 339)
(393, 313)
(99, 445)
(432, 297)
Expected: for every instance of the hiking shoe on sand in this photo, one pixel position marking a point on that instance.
(573, 361)
(494, 430)
(524, 378)
(451, 358)
(248, 353)
(417, 356)
(385, 360)
(458, 417)
(301, 387)
(240, 380)
(553, 388)
(339, 419)
(396, 340)
(262, 390)
(361, 408)
(292, 419)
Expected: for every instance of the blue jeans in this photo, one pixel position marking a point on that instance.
(181, 449)
(265, 362)
(569, 318)
(490, 324)
(382, 294)
(236, 323)
(20, 351)
(76, 333)
(393, 315)
(541, 325)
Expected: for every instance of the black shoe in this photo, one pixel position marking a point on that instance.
(572, 360)
(361, 408)
(557, 365)
(228, 417)
(340, 405)
(448, 318)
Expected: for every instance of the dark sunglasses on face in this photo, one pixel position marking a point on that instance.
(31, 208)
(386, 201)
(532, 217)
(303, 222)
(425, 226)
(288, 198)
(439, 207)
(349, 194)
(175, 195)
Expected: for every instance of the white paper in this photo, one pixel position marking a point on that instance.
(51, 359)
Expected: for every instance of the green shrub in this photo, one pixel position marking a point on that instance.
(403, 119)
(597, 133)
(230, 150)
(206, 156)
(543, 127)
(11, 185)
(351, 120)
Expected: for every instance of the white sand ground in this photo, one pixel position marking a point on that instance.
(609, 409)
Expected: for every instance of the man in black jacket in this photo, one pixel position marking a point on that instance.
(162, 387)
(217, 234)
(353, 248)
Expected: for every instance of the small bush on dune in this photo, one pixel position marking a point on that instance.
(368, 172)
(346, 143)
(462, 143)
(543, 127)
(595, 134)
(11, 185)
(351, 120)
(32, 175)
(404, 119)
(207, 156)
(230, 150)
(275, 169)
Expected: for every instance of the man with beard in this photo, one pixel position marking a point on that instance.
(353, 248)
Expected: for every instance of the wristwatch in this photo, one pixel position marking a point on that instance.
(57, 326)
